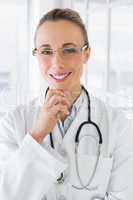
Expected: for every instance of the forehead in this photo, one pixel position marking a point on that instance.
(59, 32)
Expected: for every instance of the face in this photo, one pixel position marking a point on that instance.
(60, 70)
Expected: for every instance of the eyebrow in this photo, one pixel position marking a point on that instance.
(64, 45)
(68, 44)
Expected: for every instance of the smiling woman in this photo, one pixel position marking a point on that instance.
(69, 145)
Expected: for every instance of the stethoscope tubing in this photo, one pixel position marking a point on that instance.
(84, 123)
(89, 121)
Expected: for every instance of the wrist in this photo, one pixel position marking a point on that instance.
(37, 136)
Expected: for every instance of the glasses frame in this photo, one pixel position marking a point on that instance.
(81, 49)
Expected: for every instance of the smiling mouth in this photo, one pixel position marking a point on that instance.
(60, 77)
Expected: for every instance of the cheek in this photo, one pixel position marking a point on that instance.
(78, 66)
(43, 67)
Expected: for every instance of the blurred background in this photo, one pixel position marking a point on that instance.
(109, 74)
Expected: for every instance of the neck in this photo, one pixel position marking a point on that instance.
(75, 94)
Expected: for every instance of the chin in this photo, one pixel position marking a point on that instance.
(59, 86)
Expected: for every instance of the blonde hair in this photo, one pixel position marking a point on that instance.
(64, 14)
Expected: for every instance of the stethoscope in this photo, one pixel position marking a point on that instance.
(100, 141)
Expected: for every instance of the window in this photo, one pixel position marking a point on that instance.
(14, 49)
(110, 31)
(95, 18)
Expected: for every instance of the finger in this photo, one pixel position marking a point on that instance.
(71, 95)
(58, 109)
(64, 110)
(56, 99)
(53, 92)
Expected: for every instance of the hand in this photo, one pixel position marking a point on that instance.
(56, 105)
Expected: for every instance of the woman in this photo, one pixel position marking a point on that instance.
(45, 153)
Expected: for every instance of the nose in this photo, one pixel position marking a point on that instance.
(57, 60)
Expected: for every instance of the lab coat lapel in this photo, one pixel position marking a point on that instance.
(57, 137)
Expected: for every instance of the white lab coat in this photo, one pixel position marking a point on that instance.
(28, 170)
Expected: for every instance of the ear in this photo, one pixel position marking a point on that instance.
(86, 55)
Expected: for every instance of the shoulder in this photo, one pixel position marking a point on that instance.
(102, 108)
(116, 128)
(112, 117)
(18, 117)
(22, 109)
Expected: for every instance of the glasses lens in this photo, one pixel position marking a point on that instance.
(45, 51)
(70, 51)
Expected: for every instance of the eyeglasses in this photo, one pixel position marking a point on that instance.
(65, 52)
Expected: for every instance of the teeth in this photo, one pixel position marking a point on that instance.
(60, 77)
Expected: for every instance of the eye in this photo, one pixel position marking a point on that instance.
(46, 51)
(70, 50)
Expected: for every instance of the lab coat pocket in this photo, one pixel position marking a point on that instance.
(91, 172)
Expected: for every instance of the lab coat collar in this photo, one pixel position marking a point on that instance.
(41, 97)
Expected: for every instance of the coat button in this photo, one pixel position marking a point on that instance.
(63, 152)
